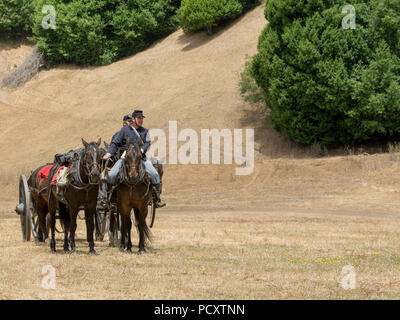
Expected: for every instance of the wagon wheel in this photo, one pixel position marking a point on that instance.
(25, 208)
(151, 215)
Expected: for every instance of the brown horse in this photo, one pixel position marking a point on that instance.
(38, 183)
(133, 193)
(80, 192)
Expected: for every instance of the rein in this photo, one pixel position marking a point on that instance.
(139, 179)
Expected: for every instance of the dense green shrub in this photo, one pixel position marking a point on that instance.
(15, 17)
(327, 84)
(97, 32)
(196, 15)
(249, 4)
(249, 90)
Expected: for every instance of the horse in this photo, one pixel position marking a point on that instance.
(81, 191)
(133, 192)
(39, 181)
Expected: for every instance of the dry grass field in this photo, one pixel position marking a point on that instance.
(284, 232)
(208, 254)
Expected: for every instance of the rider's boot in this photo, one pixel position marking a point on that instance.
(156, 196)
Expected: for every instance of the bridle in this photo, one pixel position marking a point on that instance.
(88, 168)
(135, 164)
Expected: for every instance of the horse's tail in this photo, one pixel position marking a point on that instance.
(147, 233)
(146, 230)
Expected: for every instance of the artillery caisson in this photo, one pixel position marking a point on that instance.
(33, 203)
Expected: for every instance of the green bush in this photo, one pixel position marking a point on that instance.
(15, 17)
(327, 84)
(98, 32)
(249, 90)
(249, 4)
(196, 15)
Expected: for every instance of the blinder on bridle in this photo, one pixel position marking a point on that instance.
(91, 152)
(94, 165)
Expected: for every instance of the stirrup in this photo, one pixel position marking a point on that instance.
(160, 204)
(104, 204)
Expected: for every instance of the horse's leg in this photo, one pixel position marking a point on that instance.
(144, 231)
(52, 213)
(89, 217)
(123, 231)
(42, 210)
(125, 212)
(111, 228)
(65, 219)
(128, 230)
(72, 227)
(96, 226)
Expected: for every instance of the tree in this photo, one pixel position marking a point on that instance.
(15, 17)
(327, 84)
(98, 32)
(195, 15)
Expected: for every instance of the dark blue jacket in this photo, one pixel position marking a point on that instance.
(113, 138)
(118, 141)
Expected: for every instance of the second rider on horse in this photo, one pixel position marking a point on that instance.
(135, 131)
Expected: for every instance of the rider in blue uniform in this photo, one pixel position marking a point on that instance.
(102, 196)
(118, 142)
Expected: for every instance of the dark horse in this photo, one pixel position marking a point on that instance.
(80, 192)
(39, 182)
(133, 193)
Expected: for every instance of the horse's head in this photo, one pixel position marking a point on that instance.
(132, 158)
(91, 158)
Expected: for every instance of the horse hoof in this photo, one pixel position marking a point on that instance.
(142, 251)
(93, 252)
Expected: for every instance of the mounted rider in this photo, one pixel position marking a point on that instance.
(126, 121)
(134, 131)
